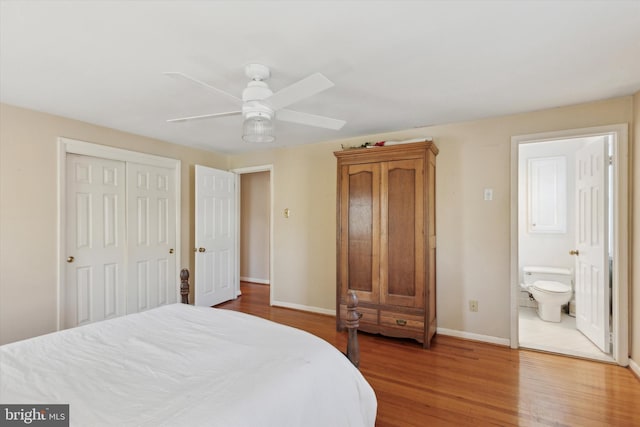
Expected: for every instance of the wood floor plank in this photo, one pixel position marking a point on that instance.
(466, 383)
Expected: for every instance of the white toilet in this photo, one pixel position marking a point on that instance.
(551, 287)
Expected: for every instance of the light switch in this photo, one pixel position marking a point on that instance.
(287, 212)
(488, 194)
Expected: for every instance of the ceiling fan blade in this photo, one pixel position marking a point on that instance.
(201, 83)
(309, 119)
(304, 88)
(204, 116)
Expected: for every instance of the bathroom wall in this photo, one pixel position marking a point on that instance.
(546, 249)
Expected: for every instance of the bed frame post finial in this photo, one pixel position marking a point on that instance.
(352, 323)
(184, 285)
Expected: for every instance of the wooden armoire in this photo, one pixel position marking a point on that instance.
(386, 242)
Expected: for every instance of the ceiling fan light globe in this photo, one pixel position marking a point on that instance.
(258, 129)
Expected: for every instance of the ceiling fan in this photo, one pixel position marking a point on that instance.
(260, 105)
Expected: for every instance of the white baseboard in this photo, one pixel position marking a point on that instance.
(634, 367)
(474, 337)
(254, 280)
(304, 308)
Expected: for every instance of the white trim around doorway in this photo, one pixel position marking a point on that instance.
(619, 133)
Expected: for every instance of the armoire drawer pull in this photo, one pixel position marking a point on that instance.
(401, 322)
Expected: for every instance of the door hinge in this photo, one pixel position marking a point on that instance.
(610, 160)
(610, 337)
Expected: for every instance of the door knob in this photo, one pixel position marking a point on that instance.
(70, 259)
(171, 250)
(574, 252)
(201, 249)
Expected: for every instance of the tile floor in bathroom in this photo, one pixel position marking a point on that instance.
(560, 337)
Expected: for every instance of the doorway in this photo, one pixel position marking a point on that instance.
(255, 225)
(545, 237)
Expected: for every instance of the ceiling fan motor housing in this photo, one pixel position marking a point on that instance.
(254, 97)
(256, 109)
(256, 91)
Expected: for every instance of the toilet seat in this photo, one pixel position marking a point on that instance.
(551, 287)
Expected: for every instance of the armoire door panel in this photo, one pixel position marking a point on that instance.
(361, 216)
(401, 221)
(402, 252)
(360, 231)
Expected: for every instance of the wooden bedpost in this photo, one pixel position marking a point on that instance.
(352, 323)
(184, 285)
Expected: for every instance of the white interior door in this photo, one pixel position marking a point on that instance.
(592, 266)
(215, 236)
(96, 263)
(151, 232)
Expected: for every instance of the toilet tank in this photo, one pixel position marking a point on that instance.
(532, 274)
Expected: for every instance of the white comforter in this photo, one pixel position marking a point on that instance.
(180, 365)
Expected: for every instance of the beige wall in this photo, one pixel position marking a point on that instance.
(473, 255)
(473, 235)
(28, 212)
(254, 226)
(304, 244)
(635, 243)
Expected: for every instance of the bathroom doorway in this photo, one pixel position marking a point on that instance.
(550, 218)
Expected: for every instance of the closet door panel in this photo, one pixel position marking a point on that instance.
(96, 243)
(151, 231)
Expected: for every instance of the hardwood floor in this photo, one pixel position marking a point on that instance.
(466, 383)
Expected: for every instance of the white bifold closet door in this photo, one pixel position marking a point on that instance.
(121, 232)
(151, 237)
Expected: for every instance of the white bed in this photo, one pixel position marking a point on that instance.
(180, 365)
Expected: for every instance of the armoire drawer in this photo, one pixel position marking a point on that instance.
(400, 320)
(369, 315)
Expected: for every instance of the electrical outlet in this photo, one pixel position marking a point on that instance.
(473, 305)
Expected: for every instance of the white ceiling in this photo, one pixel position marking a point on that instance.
(396, 65)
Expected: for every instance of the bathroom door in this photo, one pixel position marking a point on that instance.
(591, 263)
